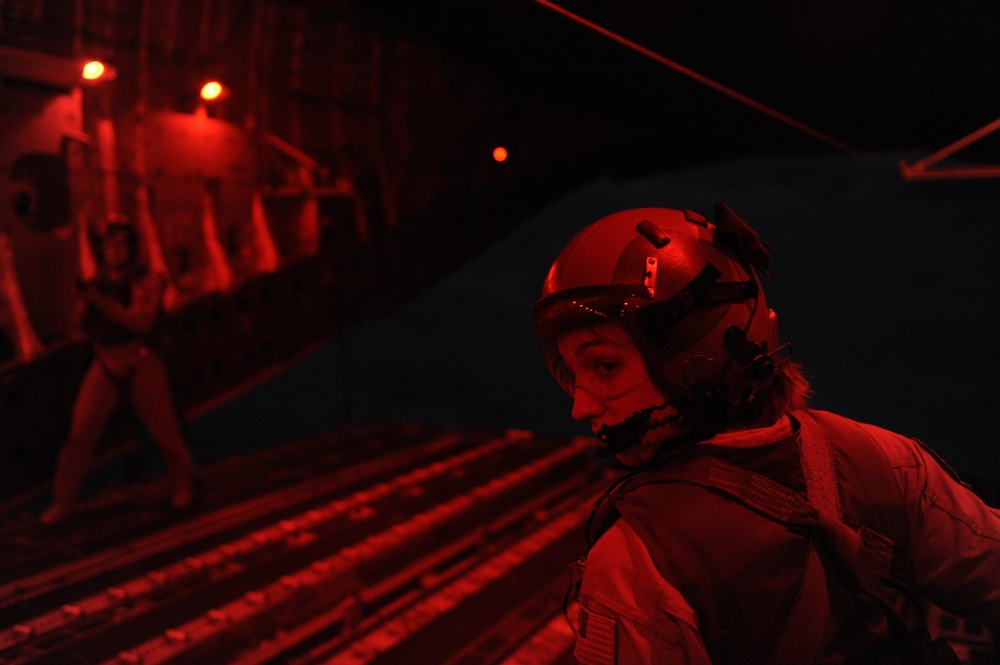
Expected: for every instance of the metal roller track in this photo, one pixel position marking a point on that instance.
(122, 513)
(291, 585)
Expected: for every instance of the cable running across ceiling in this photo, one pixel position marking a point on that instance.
(715, 85)
(916, 171)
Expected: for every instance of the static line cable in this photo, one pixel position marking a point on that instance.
(729, 92)
(919, 170)
(957, 145)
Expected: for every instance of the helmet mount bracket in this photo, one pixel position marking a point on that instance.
(649, 277)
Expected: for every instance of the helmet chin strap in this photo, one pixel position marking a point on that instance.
(629, 432)
(696, 411)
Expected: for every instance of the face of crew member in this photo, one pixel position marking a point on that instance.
(611, 383)
(117, 253)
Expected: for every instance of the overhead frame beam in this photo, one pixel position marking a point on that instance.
(920, 171)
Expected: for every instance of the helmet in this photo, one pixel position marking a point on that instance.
(688, 294)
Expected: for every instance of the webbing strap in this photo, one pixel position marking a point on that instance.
(658, 319)
(802, 635)
(870, 557)
(817, 465)
(757, 492)
(805, 625)
(867, 556)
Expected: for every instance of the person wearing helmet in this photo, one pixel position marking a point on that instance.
(748, 527)
(119, 310)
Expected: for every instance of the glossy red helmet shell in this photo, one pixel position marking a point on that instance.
(685, 289)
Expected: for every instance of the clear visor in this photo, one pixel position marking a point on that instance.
(576, 308)
(586, 306)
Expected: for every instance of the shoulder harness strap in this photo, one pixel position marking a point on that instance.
(801, 637)
(873, 560)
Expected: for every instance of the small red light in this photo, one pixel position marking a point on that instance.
(500, 153)
(93, 70)
(211, 91)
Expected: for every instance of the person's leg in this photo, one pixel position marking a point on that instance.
(154, 405)
(96, 400)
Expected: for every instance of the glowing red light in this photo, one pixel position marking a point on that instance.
(211, 90)
(93, 70)
(500, 153)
